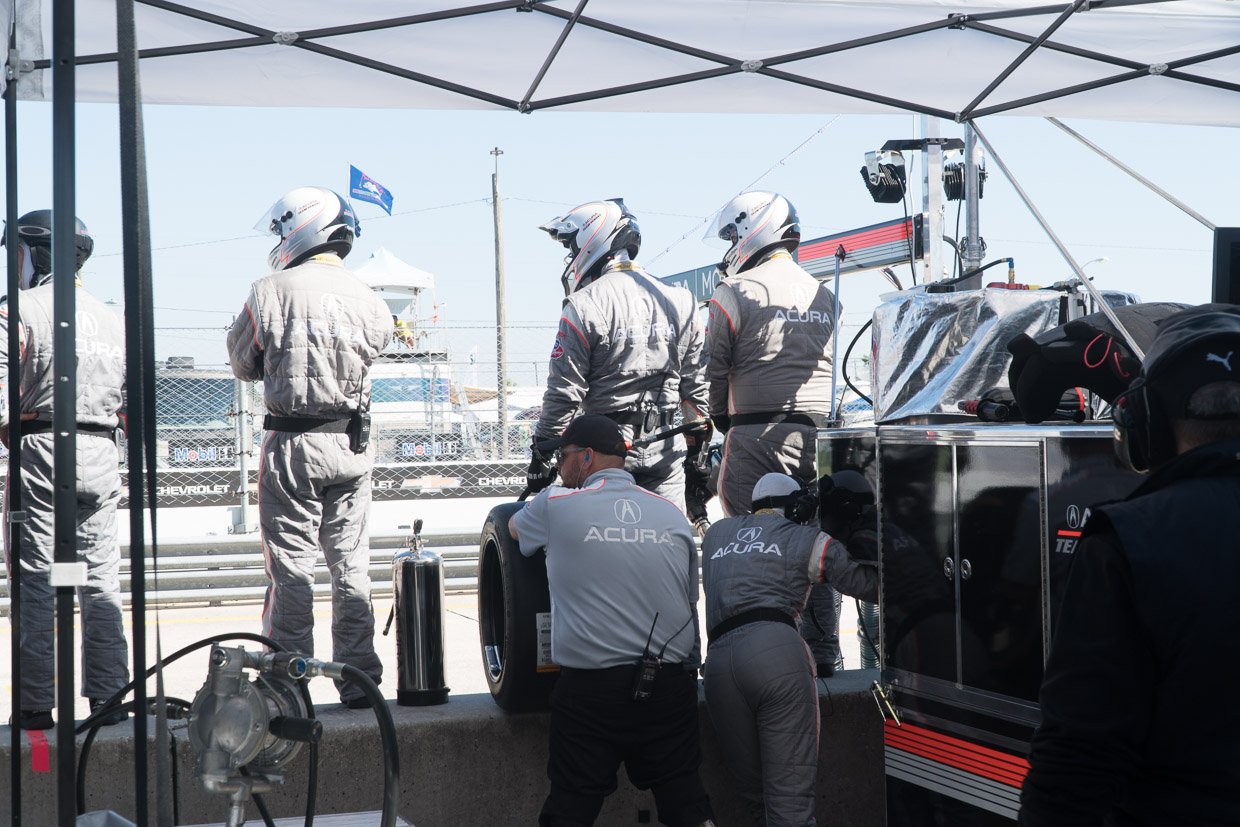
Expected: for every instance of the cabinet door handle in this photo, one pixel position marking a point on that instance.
(966, 569)
(949, 568)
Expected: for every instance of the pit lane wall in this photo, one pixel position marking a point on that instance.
(468, 763)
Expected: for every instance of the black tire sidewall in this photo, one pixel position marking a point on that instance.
(525, 594)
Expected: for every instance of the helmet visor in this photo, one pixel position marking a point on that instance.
(721, 232)
(272, 222)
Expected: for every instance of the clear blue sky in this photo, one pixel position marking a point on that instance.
(213, 171)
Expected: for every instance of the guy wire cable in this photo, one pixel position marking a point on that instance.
(747, 187)
(1063, 251)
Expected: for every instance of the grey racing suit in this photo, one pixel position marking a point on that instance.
(768, 349)
(310, 333)
(629, 347)
(100, 393)
(760, 690)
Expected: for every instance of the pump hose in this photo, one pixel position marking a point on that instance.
(89, 740)
(387, 732)
(847, 353)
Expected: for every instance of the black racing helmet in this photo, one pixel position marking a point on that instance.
(34, 229)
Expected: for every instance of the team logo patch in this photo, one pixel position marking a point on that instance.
(627, 512)
(557, 350)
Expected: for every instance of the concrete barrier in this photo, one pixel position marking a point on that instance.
(468, 763)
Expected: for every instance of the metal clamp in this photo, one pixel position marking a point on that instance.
(286, 38)
(18, 516)
(751, 65)
(1158, 68)
(15, 66)
(882, 697)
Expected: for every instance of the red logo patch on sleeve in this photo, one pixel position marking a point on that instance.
(558, 349)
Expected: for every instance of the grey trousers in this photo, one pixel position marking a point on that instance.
(749, 451)
(105, 652)
(820, 625)
(763, 702)
(314, 496)
(660, 468)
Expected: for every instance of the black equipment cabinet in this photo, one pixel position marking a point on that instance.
(977, 526)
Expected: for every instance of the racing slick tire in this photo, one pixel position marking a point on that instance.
(514, 617)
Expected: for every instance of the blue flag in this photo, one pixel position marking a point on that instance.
(364, 188)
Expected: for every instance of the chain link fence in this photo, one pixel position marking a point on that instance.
(436, 416)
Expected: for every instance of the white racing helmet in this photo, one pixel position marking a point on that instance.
(753, 223)
(593, 233)
(308, 220)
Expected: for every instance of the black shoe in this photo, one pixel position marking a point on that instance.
(34, 719)
(111, 718)
(360, 702)
(825, 670)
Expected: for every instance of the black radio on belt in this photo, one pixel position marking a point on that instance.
(648, 665)
(643, 681)
(359, 431)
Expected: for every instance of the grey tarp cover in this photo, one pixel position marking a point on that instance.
(769, 56)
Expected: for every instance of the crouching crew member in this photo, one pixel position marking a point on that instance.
(760, 689)
(622, 568)
(310, 332)
(629, 347)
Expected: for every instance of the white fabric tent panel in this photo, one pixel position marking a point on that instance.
(500, 52)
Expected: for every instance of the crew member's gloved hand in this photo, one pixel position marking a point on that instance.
(541, 472)
(722, 423)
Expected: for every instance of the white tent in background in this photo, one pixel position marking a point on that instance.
(397, 282)
(384, 271)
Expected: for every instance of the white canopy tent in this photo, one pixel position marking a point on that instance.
(395, 281)
(1175, 61)
(1160, 61)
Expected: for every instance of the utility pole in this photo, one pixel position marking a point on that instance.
(501, 321)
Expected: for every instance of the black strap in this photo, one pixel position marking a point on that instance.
(760, 615)
(637, 419)
(41, 426)
(305, 424)
(140, 383)
(775, 418)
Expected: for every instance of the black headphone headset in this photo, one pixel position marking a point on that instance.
(1143, 435)
(843, 498)
(800, 506)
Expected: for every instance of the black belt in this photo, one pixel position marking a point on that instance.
(775, 418)
(745, 618)
(306, 424)
(625, 669)
(638, 419)
(42, 426)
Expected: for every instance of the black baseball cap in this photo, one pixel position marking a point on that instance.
(1193, 349)
(593, 431)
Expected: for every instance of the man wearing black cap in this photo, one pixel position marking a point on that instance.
(1138, 727)
(623, 573)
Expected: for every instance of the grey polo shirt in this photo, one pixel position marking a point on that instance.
(616, 555)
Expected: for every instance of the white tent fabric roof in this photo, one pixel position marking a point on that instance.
(759, 56)
(384, 271)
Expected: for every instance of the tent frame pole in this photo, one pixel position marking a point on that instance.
(13, 488)
(64, 395)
